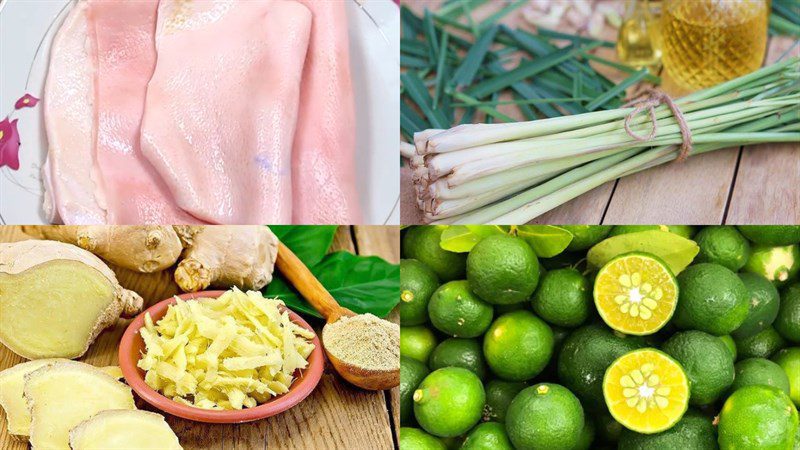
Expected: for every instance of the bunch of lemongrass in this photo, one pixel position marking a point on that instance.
(511, 173)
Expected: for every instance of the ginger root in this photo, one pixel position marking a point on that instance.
(141, 248)
(225, 256)
(62, 395)
(55, 298)
(123, 429)
(11, 400)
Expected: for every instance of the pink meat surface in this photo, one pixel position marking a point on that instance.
(323, 159)
(69, 178)
(222, 106)
(124, 33)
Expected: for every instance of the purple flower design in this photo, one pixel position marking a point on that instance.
(9, 144)
(26, 101)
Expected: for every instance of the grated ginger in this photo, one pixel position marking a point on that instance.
(232, 352)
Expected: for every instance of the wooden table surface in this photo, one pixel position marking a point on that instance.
(753, 184)
(335, 416)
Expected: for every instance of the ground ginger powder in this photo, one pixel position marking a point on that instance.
(364, 341)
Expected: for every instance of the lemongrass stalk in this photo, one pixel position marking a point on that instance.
(407, 150)
(499, 211)
(546, 203)
(458, 178)
(559, 182)
(643, 121)
(519, 178)
(455, 182)
(421, 139)
(482, 162)
(482, 134)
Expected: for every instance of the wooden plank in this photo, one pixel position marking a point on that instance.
(343, 416)
(587, 208)
(766, 189)
(335, 415)
(384, 242)
(695, 191)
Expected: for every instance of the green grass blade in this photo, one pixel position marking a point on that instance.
(418, 93)
(526, 69)
(577, 85)
(412, 62)
(466, 7)
(431, 38)
(440, 67)
(573, 37)
(410, 121)
(413, 47)
(465, 74)
(412, 25)
(454, 9)
(785, 10)
(467, 117)
(616, 90)
(460, 96)
(621, 67)
(512, 6)
(524, 101)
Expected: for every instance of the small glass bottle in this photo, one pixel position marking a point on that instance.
(638, 43)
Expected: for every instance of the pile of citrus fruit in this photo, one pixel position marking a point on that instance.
(577, 337)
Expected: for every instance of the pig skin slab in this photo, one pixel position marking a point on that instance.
(323, 160)
(222, 106)
(124, 37)
(69, 173)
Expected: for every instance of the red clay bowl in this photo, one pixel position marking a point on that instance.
(132, 346)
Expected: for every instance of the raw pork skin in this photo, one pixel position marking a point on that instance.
(69, 173)
(222, 106)
(323, 161)
(124, 37)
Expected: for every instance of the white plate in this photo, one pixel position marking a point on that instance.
(26, 32)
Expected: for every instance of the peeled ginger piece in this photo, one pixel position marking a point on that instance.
(55, 299)
(64, 394)
(11, 400)
(122, 429)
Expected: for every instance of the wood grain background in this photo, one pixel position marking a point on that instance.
(335, 416)
(754, 184)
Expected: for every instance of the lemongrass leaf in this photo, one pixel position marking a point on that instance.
(416, 89)
(465, 74)
(412, 62)
(512, 6)
(621, 67)
(526, 69)
(573, 37)
(437, 91)
(430, 37)
(412, 25)
(617, 90)
(486, 109)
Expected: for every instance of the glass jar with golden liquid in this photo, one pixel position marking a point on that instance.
(638, 40)
(707, 42)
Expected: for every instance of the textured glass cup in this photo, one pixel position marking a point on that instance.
(707, 42)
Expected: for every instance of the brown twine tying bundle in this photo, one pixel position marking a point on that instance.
(655, 98)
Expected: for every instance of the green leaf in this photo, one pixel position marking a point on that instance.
(309, 243)
(466, 72)
(678, 252)
(617, 90)
(545, 240)
(526, 69)
(461, 238)
(419, 94)
(364, 284)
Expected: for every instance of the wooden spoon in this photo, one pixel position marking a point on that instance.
(319, 297)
